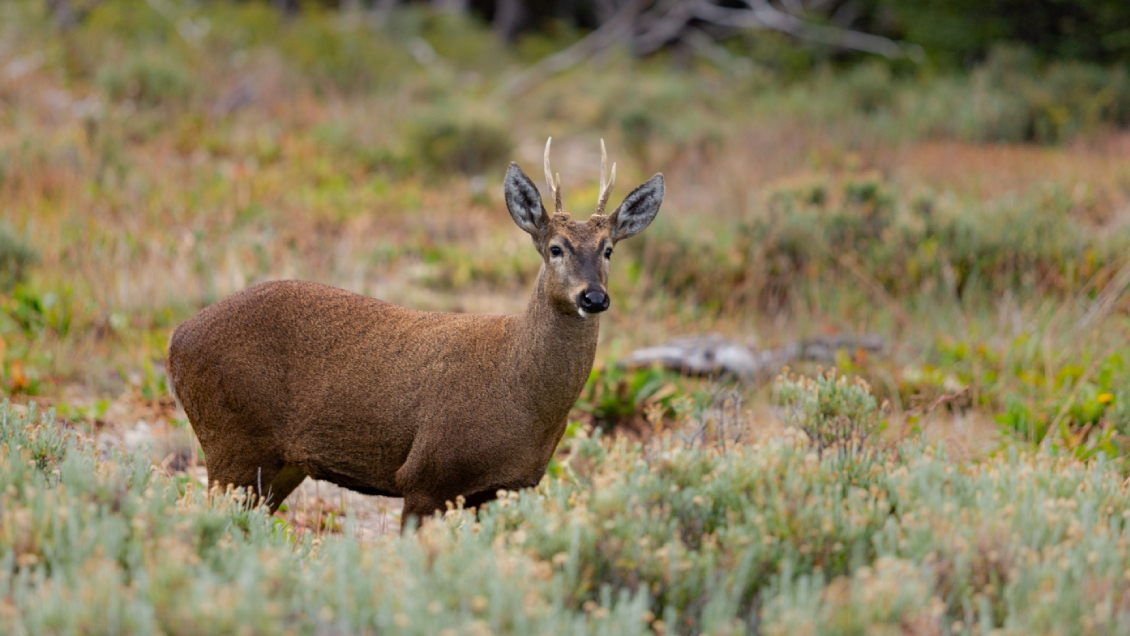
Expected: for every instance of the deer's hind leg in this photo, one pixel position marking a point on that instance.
(420, 506)
(284, 483)
(235, 456)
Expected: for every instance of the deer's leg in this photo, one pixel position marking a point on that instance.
(420, 506)
(269, 482)
(284, 483)
(477, 500)
(241, 465)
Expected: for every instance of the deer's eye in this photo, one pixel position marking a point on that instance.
(556, 251)
(608, 252)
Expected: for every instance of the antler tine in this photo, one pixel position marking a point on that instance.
(606, 181)
(554, 184)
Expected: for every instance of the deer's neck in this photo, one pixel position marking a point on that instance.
(555, 354)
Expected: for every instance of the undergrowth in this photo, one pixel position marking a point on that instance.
(678, 535)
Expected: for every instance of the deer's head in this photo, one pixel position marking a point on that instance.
(577, 253)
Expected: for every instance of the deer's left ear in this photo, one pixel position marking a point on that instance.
(638, 209)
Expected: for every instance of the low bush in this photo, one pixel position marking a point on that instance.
(1011, 99)
(148, 80)
(838, 415)
(635, 399)
(446, 141)
(668, 537)
(840, 230)
(17, 257)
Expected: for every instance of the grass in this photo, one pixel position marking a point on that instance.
(152, 163)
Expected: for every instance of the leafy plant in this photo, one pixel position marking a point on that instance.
(17, 257)
(615, 396)
(836, 413)
(149, 80)
(447, 142)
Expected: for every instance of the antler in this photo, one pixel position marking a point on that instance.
(605, 181)
(554, 184)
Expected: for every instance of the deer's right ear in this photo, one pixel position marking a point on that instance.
(524, 202)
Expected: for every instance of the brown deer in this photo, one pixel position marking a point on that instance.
(289, 379)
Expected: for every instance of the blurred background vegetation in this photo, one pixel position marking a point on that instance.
(951, 176)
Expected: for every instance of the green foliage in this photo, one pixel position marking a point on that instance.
(460, 267)
(348, 54)
(36, 312)
(835, 413)
(1011, 99)
(447, 141)
(959, 31)
(823, 230)
(148, 80)
(17, 257)
(619, 397)
(1084, 412)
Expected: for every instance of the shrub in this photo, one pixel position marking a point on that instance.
(830, 230)
(835, 413)
(17, 257)
(149, 80)
(102, 543)
(893, 596)
(349, 54)
(632, 539)
(616, 397)
(445, 142)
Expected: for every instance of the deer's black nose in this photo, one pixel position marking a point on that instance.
(593, 301)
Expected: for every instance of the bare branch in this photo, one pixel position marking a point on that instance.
(593, 43)
(762, 15)
(668, 21)
(663, 28)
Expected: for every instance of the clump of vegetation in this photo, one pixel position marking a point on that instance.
(148, 80)
(636, 399)
(17, 257)
(447, 142)
(1011, 99)
(818, 231)
(668, 536)
(836, 413)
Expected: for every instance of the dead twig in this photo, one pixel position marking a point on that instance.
(945, 398)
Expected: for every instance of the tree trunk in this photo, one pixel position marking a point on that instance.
(508, 17)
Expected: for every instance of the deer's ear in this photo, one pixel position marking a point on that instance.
(524, 202)
(638, 209)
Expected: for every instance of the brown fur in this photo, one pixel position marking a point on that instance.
(290, 379)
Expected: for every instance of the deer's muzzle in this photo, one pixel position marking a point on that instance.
(593, 301)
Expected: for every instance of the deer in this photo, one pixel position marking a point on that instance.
(289, 379)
